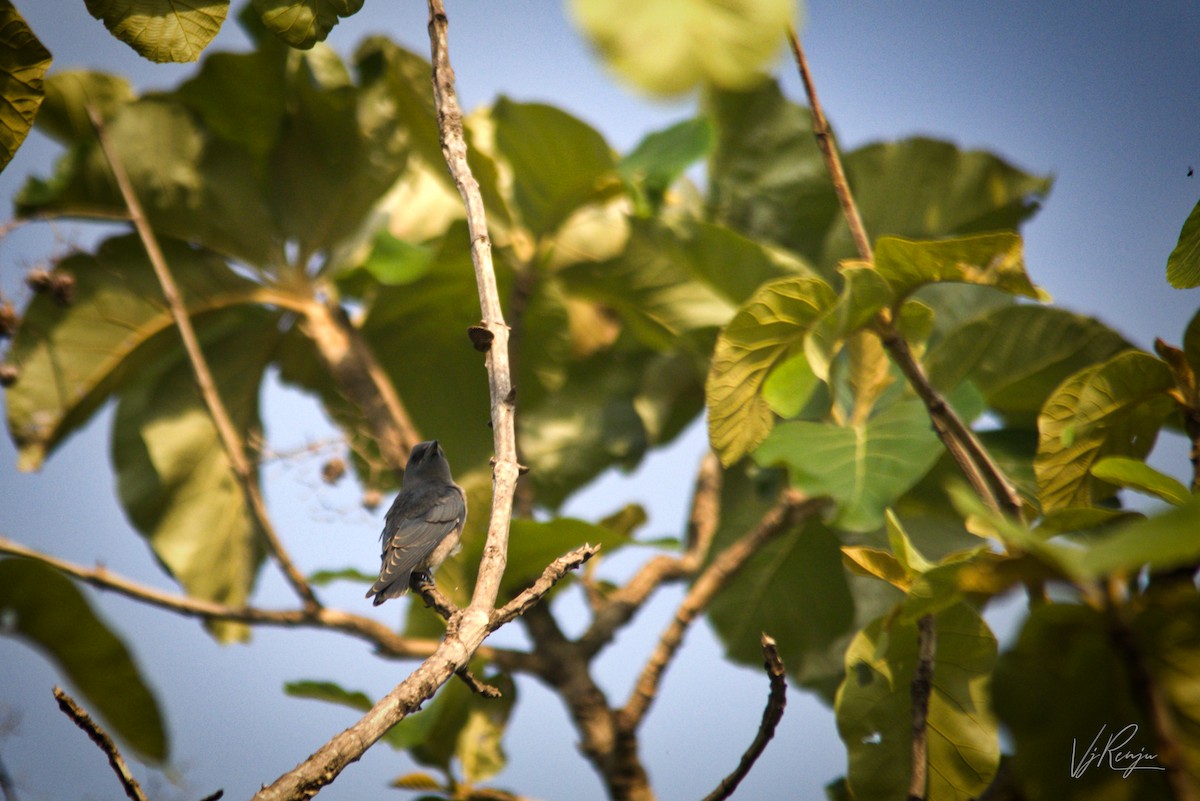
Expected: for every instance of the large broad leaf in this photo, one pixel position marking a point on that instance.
(558, 162)
(42, 607)
(162, 30)
(864, 467)
(1066, 646)
(1137, 475)
(661, 158)
(23, 64)
(1018, 355)
(772, 323)
(668, 47)
(1111, 409)
(173, 476)
(71, 358)
(303, 23)
(534, 544)
(1183, 265)
(192, 185)
(994, 260)
(874, 708)
(768, 181)
(64, 116)
(1163, 542)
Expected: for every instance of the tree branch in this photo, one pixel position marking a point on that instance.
(922, 688)
(234, 448)
(84, 721)
(984, 475)
(776, 701)
(531, 595)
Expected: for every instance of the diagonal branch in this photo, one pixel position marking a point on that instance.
(100, 737)
(985, 476)
(234, 448)
(772, 714)
(921, 690)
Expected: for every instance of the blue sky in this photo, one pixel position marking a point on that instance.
(1104, 95)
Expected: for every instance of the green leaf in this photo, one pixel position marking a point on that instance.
(23, 64)
(864, 468)
(1111, 409)
(1137, 475)
(668, 47)
(790, 386)
(1018, 355)
(1163, 542)
(303, 23)
(173, 477)
(321, 578)
(329, 692)
(864, 294)
(661, 158)
(1183, 265)
(994, 260)
(877, 562)
(44, 608)
(874, 708)
(906, 552)
(760, 335)
(558, 162)
(72, 358)
(1067, 646)
(63, 115)
(162, 30)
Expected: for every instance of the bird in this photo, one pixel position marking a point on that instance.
(424, 525)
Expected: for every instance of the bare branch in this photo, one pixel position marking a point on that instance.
(434, 599)
(553, 573)
(791, 508)
(84, 721)
(772, 714)
(234, 448)
(922, 688)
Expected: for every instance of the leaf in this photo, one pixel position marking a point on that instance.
(173, 477)
(162, 30)
(661, 158)
(874, 708)
(667, 47)
(1137, 475)
(790, 386)
(44, 608)
(303, 23)
(1069, 646)
(534, 544)
(864, 293)
(1111, 409)
(913, 562)
(1163, 542)
(72, 358)
(558, 162)
(23, 64)
(1183, 265)
(763, 331)
(322, 578)
(1018, 355)
(63, 115)
(878, 563)
(864, 467)
(329, 692)
(994, 260)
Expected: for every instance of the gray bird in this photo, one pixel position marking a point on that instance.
(423, 526)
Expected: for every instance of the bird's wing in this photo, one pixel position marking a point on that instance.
(410, 537)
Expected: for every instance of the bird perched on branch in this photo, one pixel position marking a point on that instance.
(423, 526)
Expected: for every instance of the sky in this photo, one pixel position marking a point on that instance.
(1103, 95)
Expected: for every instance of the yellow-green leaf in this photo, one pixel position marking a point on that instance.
(303, 23)
(23, 64)
(162, 30)
(995, 260)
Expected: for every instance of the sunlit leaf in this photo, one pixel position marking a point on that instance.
(994, 260)
(162, 30)
(1164, 541)
(63, 115)
(1137, 475)
(667, 47)
(661, 158)
(173, 476)
(874, 708)
(46, 610)
(774, 321)
(23, 64)
(1111, 409)
(303, 23)
(72, 358)
(1183, 265)
(864, 468)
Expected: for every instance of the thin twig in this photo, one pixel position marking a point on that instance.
(234, 449)
(772, 714)
(84, 721)
(922, 689)
(791, 508)
(554, 573)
